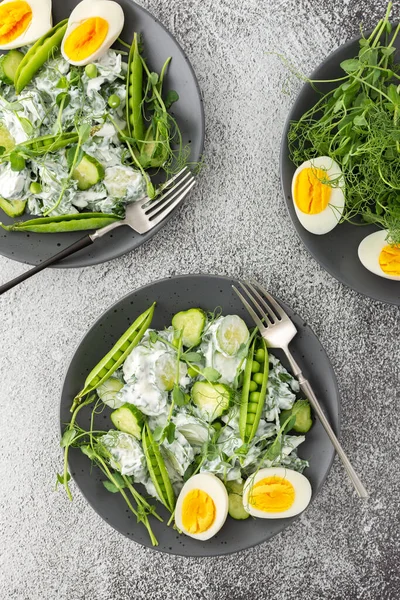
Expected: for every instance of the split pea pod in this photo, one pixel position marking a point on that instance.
(116, 356)
(48, 143)
(64, 223)
(157, 469)
(254, 389)
(42, 50)
(134, 93)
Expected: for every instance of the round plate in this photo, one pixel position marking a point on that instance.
(33, 248)
(173, 295)
(337, 251)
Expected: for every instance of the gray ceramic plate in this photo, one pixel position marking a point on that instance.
(33, 248)
(172, 295)
(336, 251)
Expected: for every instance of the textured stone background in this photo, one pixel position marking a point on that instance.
(236, 224)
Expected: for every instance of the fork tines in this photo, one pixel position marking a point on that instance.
(157, 210)
(263, 308)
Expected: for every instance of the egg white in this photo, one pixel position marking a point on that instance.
(301, 486)
(369, 251)
(41, 23)
(326, 220)
(106, 9)
(211, 485)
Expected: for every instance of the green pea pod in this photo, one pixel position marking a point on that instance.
(116, 356)
(47, 143)
(157, 469)
(250, 412)
(134, 93)
(38, 54)
(63, 223)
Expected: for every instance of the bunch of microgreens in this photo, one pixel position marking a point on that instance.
(357, 124)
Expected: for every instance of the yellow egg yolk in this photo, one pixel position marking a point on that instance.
(389, 260)
(310, 193)
(15, 18)
(198, 511)
(272, 494)
(85, 39)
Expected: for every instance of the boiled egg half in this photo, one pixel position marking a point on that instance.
(379, 257)
(93, 27)
(276, 493)
(23, 22)
(202, 506)
(318, 194)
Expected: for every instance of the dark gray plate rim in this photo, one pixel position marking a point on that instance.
(374, 291)
(94, 260)
(214, 279)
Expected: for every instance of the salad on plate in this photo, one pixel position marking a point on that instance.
(84, 124)
(346, 148)
(204, 420)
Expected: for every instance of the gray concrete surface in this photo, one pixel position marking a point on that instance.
(236, 224)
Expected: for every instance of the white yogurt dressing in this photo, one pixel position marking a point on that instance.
(127, 455)
(228, 366)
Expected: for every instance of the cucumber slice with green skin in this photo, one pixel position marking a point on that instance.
(212, 398)
(232, 332)
(13, 208)
(88, 172)
(191, 322)
(9, 64)
(302, 410)
(108, 390)
(128, 419)
(235, 500)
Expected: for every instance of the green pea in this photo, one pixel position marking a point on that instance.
(253, 386)
(250, 418)
(114, 101)
(91, 70)
(252, 407)
(17, 162)
(254, 396)
(125, 346)
(260, 355)
(192, 372)
(255, 367)
(35, 187)
(258, 378)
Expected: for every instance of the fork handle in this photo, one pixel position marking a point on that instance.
(307, 389)
(79, 245)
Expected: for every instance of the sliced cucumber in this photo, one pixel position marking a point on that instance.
(9, 64)
(191, 322)
(165, 369)
(235, 500)
(232, 332)
(212, 398)
(13, 208)
(6, 139)
(301, 409)
(88, 172)
(128, 419)
(108, 390)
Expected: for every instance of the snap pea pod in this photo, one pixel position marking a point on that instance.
(116, 356)
(134, 93)
(254, 390)
(47, 143)
(157, 469)
(42, 50)
(64, 223)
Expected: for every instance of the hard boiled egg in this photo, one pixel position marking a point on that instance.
(93, 27)
(23, 22)
(379, 257)
(202, 506)
(276, 493)
(318, 194)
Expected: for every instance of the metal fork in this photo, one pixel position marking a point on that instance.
(278, 331)
(141, 216)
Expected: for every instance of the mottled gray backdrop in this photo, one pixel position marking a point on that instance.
(234, 224)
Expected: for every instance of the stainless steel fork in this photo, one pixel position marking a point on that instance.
(278, 331)
(141, 216)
